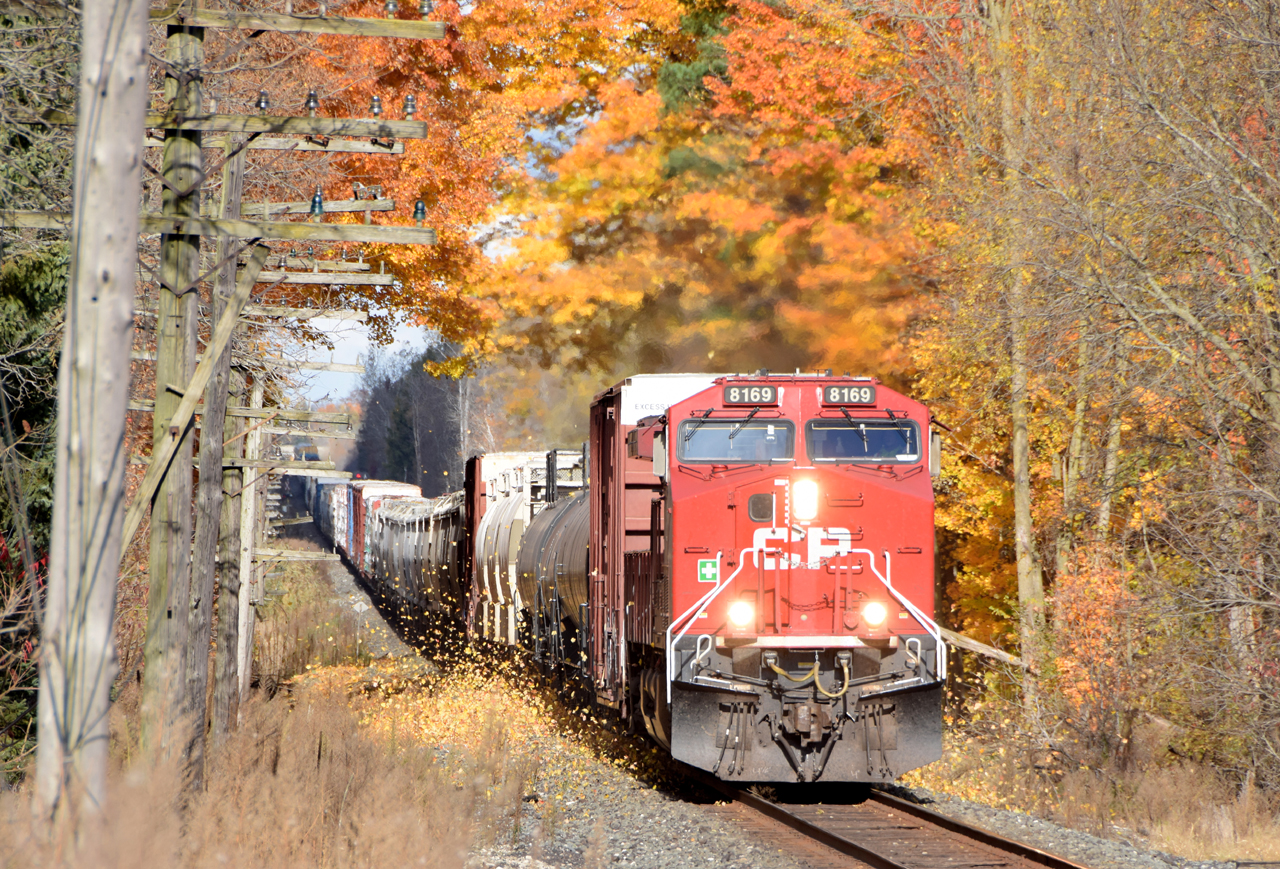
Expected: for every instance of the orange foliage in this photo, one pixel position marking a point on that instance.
(455, 170)
(504, 68)
(1099, 634)
(764, 224)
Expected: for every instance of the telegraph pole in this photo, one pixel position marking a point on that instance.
(78, 660)
(226, 681)
(210, 494)
(164, 676)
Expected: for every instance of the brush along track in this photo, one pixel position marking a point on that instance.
(882, 832)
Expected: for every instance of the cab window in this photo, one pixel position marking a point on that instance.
(862, 440)
(736, 441)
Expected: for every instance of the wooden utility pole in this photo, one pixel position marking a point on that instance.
(248, 540)
(209, 496)
(78, 658)
(179, 613)
(164, 676)
(226, 681)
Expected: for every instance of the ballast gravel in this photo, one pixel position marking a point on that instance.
(592, 814)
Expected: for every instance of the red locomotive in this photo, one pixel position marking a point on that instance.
(741, 564)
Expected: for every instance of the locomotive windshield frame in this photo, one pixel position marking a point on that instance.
(741, 441)
(859, 440)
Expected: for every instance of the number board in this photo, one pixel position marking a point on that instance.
(846, 394)
(757, 393)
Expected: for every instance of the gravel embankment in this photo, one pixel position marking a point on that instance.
(608, 818)
(349, 593)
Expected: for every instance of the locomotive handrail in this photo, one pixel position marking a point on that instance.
(704, 601)
(930, 626)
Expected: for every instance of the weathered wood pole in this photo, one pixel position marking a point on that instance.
(78, 658)
(209, 494)
(249, 530)
(226, 682)
(164, 683)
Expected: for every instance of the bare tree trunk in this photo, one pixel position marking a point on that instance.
(78, 659)
(1110, 467)
(1071, 474)
(419, 431)
(226, 687)
(465, 419)
(209, 499)
(1030, 580)
(1111, 461)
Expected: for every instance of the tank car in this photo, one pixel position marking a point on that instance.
(512, 490)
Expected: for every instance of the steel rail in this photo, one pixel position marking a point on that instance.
(873, 858)
(797, 823)
(977, 834)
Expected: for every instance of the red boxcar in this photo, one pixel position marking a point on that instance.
(366, 496)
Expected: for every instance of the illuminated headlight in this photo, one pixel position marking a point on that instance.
(804, 499)
(874, 614)
(741, 613)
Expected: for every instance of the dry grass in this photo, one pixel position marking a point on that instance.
(300, 784)
(300, 627)
(316, 775)
(1147, 796)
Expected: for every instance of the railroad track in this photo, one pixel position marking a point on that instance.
(883, 832)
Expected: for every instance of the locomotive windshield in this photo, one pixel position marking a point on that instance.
(736, 441)
(862, 440)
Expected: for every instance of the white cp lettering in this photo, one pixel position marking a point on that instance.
(821, 543)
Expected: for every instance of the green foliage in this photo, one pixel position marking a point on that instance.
(680, 81)
(400, 458)
(409, 421)
(685, 159)
(17, 720)
(32, 292)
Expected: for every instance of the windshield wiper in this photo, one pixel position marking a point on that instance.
(860, 426)
(697, 424)
(738, 428)
(906, 432)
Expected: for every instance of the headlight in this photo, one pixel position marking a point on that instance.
(804, 499)
(874, 613)
(742, 613)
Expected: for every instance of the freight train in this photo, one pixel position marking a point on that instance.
(742, 565)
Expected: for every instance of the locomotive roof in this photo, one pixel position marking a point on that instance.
(645, 395)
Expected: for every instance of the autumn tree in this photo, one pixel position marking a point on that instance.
(732, 199)
(1139, 185)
